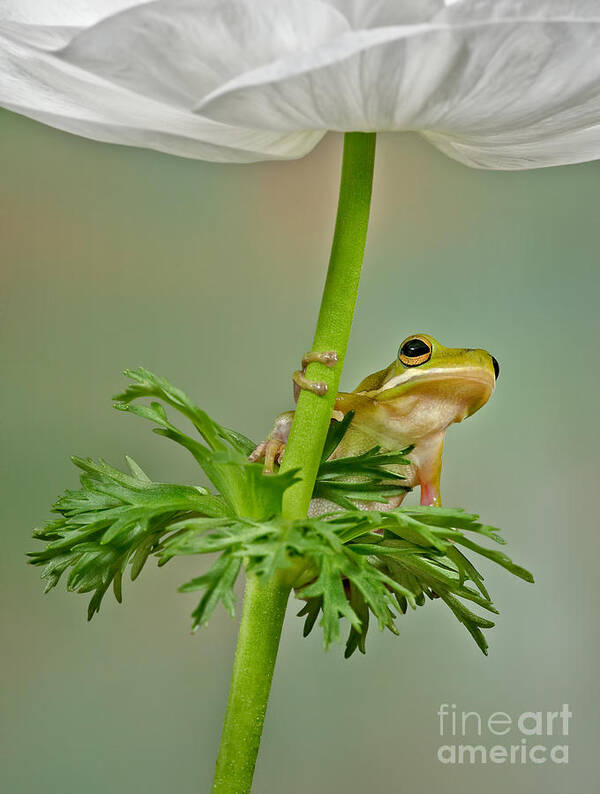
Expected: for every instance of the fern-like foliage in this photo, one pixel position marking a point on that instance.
(113, 520)
(348, 566)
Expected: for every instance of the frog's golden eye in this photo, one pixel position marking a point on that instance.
(414, 351)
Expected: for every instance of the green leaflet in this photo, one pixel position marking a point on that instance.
(351, 567)
(222, 453)
(115, 518)
(218, 584)
(365, 477)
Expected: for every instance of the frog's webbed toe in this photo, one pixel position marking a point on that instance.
(329, 358)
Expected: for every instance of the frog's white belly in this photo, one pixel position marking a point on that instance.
(319, 507)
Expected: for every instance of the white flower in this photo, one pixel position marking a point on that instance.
(493, 83)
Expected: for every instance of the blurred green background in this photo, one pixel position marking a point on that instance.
(211, 275)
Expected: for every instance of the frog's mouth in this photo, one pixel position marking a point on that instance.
(481, 375)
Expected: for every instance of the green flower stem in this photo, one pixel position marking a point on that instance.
(258, 641)
(265, 602)
(313, 412)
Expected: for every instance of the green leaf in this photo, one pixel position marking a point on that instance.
(472, 622)
(259, 495)
(311, 610)
(498, 557)
(339, 569)
(357, 639)
(453, 518)
(366, 477)
(147, 384)
(218, 584)
(113, 519)
(329, 588)
(335, 433)
(222, 453)
(415, 552)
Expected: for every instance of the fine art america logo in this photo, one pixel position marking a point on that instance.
(536, 737)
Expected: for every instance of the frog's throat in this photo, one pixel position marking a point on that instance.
(477, 374)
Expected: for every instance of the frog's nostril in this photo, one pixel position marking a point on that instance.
(496, 367)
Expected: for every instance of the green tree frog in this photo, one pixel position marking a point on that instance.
(413, 401)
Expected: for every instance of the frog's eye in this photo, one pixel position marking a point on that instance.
(414, 351)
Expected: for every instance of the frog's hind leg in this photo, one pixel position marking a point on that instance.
(427, 456)
(272, 448)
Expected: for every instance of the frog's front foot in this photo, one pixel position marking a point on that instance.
(271, 451)
(329, 358)
(272, 448)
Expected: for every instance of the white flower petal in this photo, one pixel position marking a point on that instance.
(62, 12)
(180, 50)
(51, 24)
(71, 99)
(511, 154)
(487, 81)
(117, 82)
(493, 83)
(363, 14)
